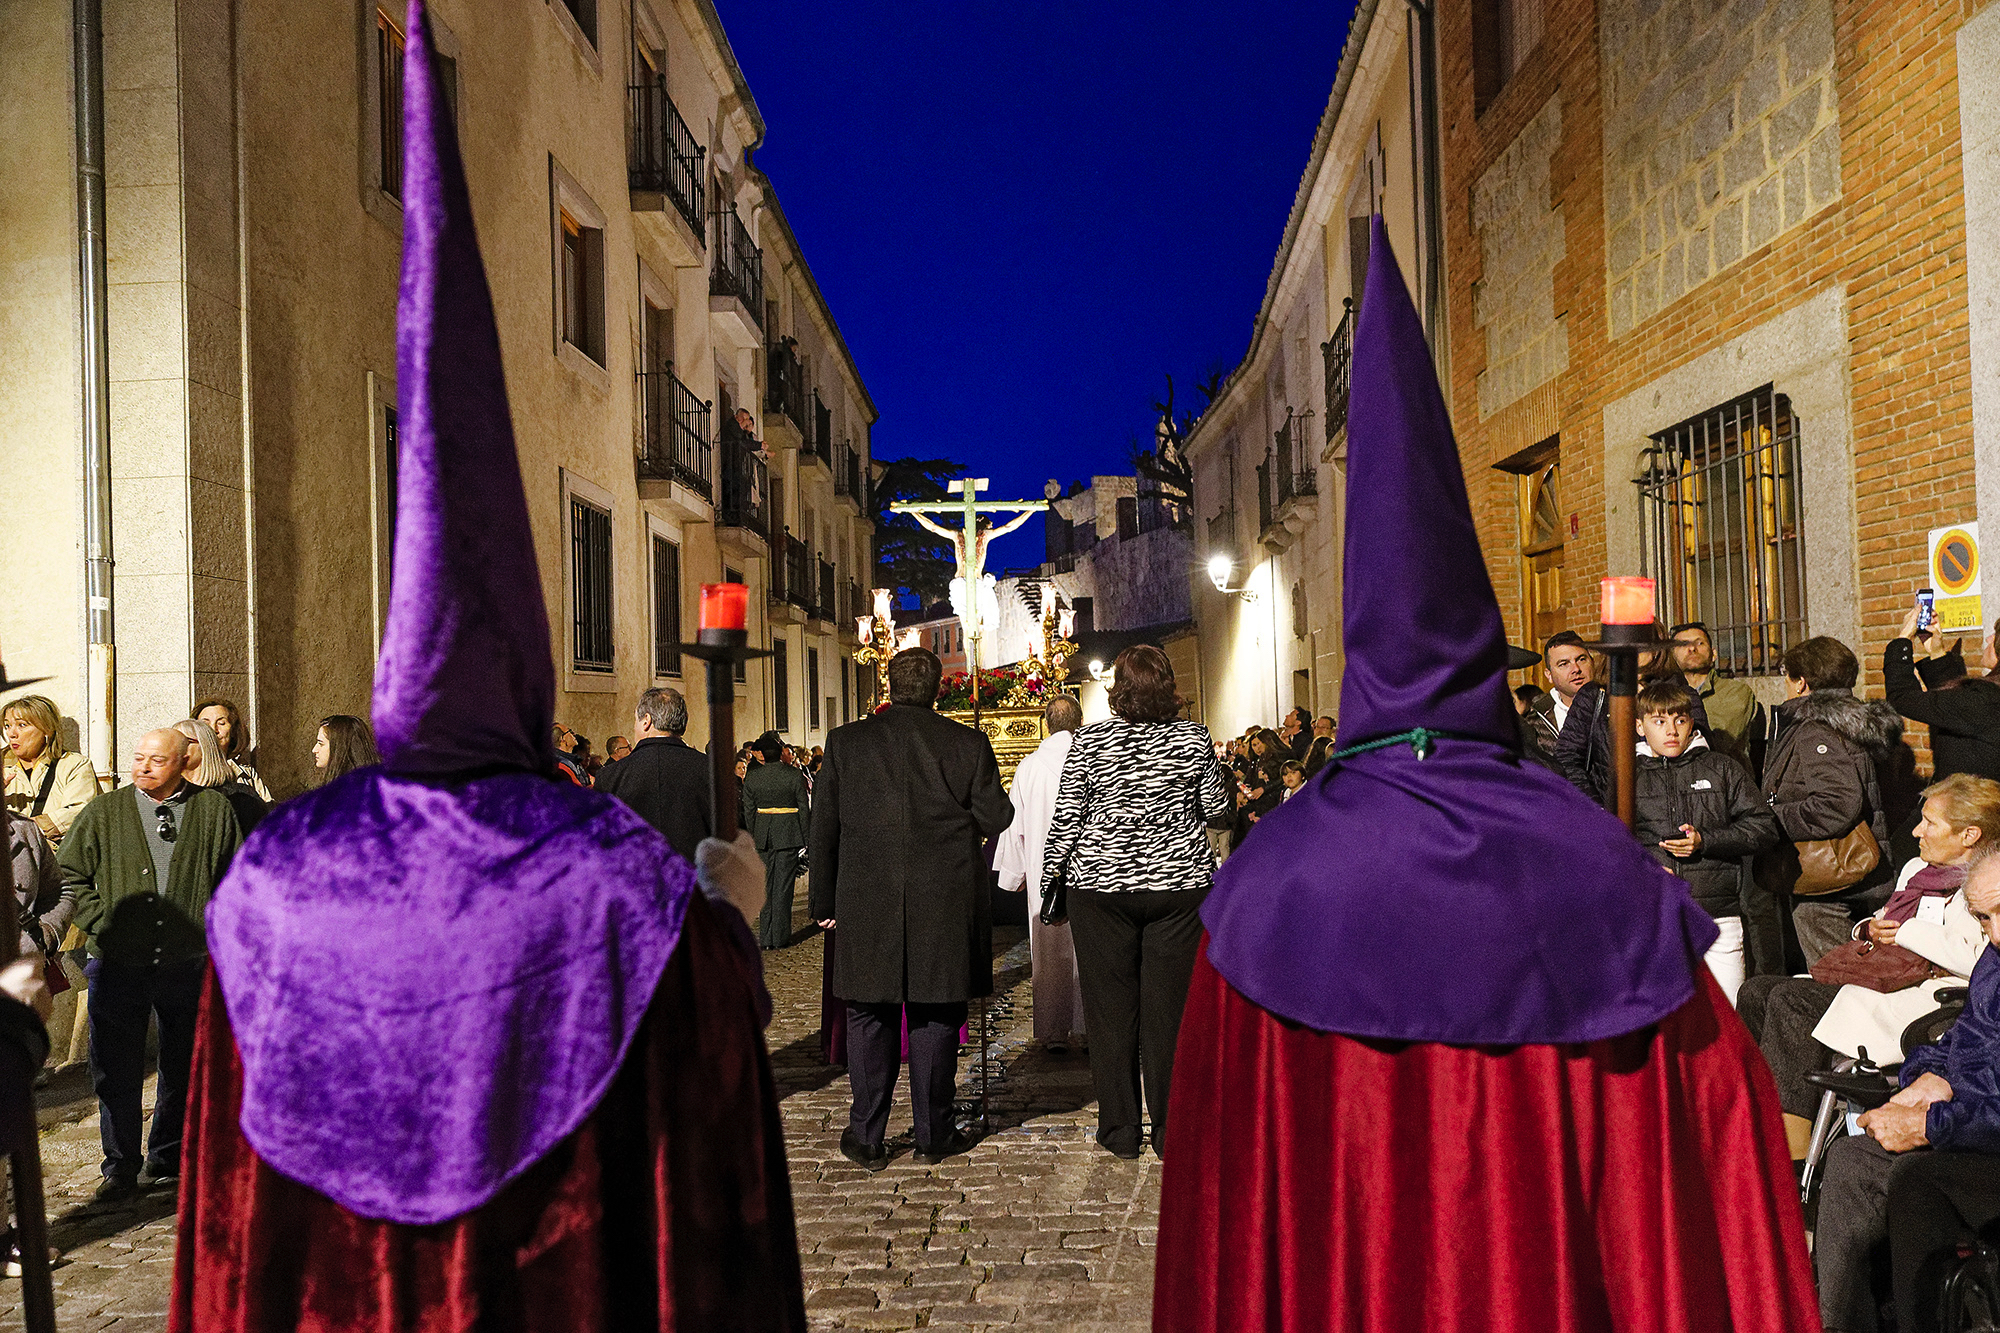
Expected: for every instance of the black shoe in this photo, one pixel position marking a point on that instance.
(152, 1178)
(955, 1143)
(861, 1154)
(1126, 1146)
(114, 1189)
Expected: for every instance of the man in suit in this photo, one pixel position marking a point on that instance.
(776, 810)
(664, 778)
(904, 801)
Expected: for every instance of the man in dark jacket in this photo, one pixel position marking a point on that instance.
(665, 779)
(1963, 712)
(777, 810)
(904, 801)
(1699, 814)
(143, 862)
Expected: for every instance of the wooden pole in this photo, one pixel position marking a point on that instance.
(1624, 732)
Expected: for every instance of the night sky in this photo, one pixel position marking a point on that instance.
(1025, 216)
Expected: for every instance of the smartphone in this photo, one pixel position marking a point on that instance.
(1926, 610)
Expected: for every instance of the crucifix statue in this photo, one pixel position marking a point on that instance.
(970, 589)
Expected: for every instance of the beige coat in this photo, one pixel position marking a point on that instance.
(74, 788)
(1863, 1017)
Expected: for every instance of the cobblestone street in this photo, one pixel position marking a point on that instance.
(1035, 1228)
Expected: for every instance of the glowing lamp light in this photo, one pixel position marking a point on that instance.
(866, 625)
(884, 610)
(1218, 572)
(1626, 600)
(1097, 671)
(725, 606)
(1065, 622)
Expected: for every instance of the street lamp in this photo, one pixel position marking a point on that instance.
(1097, 671)
(1219, 569)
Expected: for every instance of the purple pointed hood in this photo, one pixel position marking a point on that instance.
(435, 967)
(1466, 897)
(466, 681)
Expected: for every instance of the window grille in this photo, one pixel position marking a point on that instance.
(666, 607)
(812, 689)
(590, 585)
(781, 698)
(389, 102)
(1720, 529)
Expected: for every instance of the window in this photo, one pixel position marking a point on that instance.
(781, 685)
(1128, 517)
(389, 103)
(736, 576)
(1504, 34)
(846, 690)
(812, 689)
(583, 287)
(1719, 528)
(666, 607)
(585, 14)
(590, 586)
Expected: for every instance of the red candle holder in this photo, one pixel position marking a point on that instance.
(1626, 608)
(725, 606)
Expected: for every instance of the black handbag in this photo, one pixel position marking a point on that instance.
(1055, 903)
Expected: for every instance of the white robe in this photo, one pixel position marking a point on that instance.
(1018, 861)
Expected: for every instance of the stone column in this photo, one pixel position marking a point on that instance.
(1979, 140)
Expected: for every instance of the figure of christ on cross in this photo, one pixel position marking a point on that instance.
(970, 540)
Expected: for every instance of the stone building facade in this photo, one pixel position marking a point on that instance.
(1765, 277)
(646, 282)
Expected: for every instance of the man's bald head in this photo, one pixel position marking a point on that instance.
(1982, 895)
(1063, 714)
(158, 762)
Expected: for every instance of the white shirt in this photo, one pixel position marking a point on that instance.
(1559, 709)
(1018, 857)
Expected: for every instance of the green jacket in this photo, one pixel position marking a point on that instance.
(779, 789)
(107, 863)
(1731, 707)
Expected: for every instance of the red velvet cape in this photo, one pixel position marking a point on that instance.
(670, 1208)
(1639, 1184)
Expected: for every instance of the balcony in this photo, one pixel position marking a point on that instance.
(847, 478)
(784, 396)
(824, 609)
(1339, 354)
(1287, 495)
(675, 457)
(788, 598)
(818, 447)
(735, 282)
(667, 172)
(858, 606)
(743, 517)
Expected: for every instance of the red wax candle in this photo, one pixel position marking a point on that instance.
(1626, 600)
(725, 606)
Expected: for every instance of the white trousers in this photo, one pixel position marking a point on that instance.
(1725, 957)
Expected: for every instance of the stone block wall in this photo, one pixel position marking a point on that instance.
(1521, 240)
(1721, 131)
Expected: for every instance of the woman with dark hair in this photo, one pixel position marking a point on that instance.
(1137, 792)
(230, 730)
(343, 745)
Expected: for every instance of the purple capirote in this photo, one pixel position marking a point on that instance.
(1469, 897)
(434, 968)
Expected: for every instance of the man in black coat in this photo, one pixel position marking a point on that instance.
(777, 810)
(904, 802)
(665, 779)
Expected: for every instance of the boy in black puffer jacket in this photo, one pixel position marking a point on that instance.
(1699, 814)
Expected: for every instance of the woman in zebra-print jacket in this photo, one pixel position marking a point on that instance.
(1137, 791)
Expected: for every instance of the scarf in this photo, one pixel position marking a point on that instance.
(1930, 882)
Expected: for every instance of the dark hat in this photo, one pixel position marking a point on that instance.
(770, 747)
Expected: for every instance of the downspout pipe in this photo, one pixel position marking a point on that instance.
(1433, 183)
(87, 58)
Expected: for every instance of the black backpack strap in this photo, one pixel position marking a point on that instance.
(48, 784)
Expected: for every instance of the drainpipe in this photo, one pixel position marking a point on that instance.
(88, 65)
(1433, 183)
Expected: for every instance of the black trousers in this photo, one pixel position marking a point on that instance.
(1781, 1013)
(1135, 952)
(874, 1054)
(122, 997)
(781, 878)
(1911, 1208)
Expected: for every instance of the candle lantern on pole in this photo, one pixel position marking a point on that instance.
(723, 642)
(1626, 609)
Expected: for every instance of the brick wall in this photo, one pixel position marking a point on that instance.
(1893, 239)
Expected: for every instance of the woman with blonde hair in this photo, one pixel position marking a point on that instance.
(44, 780)
(209, 766)
(234, 735)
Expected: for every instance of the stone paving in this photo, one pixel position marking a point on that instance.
(1036, 1227)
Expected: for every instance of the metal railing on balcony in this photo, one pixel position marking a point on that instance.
(1339, 353)
(822, 434)
(746, 482)
(737, 268)
(847, 472)
(1264, 494)
(785, 383)
(673, 433)
(663, 154)
(796, 565)
(857, 604)
(825, 608)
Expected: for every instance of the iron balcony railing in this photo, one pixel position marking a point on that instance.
(673, 433)
(857, 605)
(664, 156)
(1339, 353)
(1290, 480)
(1264, 494)
(822, 436)
(785, 383)
(738, 267)
(847, 472)
(825, 607)
(746, 482)
(797, 583)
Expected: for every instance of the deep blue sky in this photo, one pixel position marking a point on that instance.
(1024, 216)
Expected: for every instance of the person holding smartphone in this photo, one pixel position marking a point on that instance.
(1961, 710)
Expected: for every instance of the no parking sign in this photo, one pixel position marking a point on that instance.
(1954, 570)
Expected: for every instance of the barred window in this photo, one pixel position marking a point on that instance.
(1720, 528)
(781, 697)
(389, 103)
(590, 585)
(666, 607)
(812, 689)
